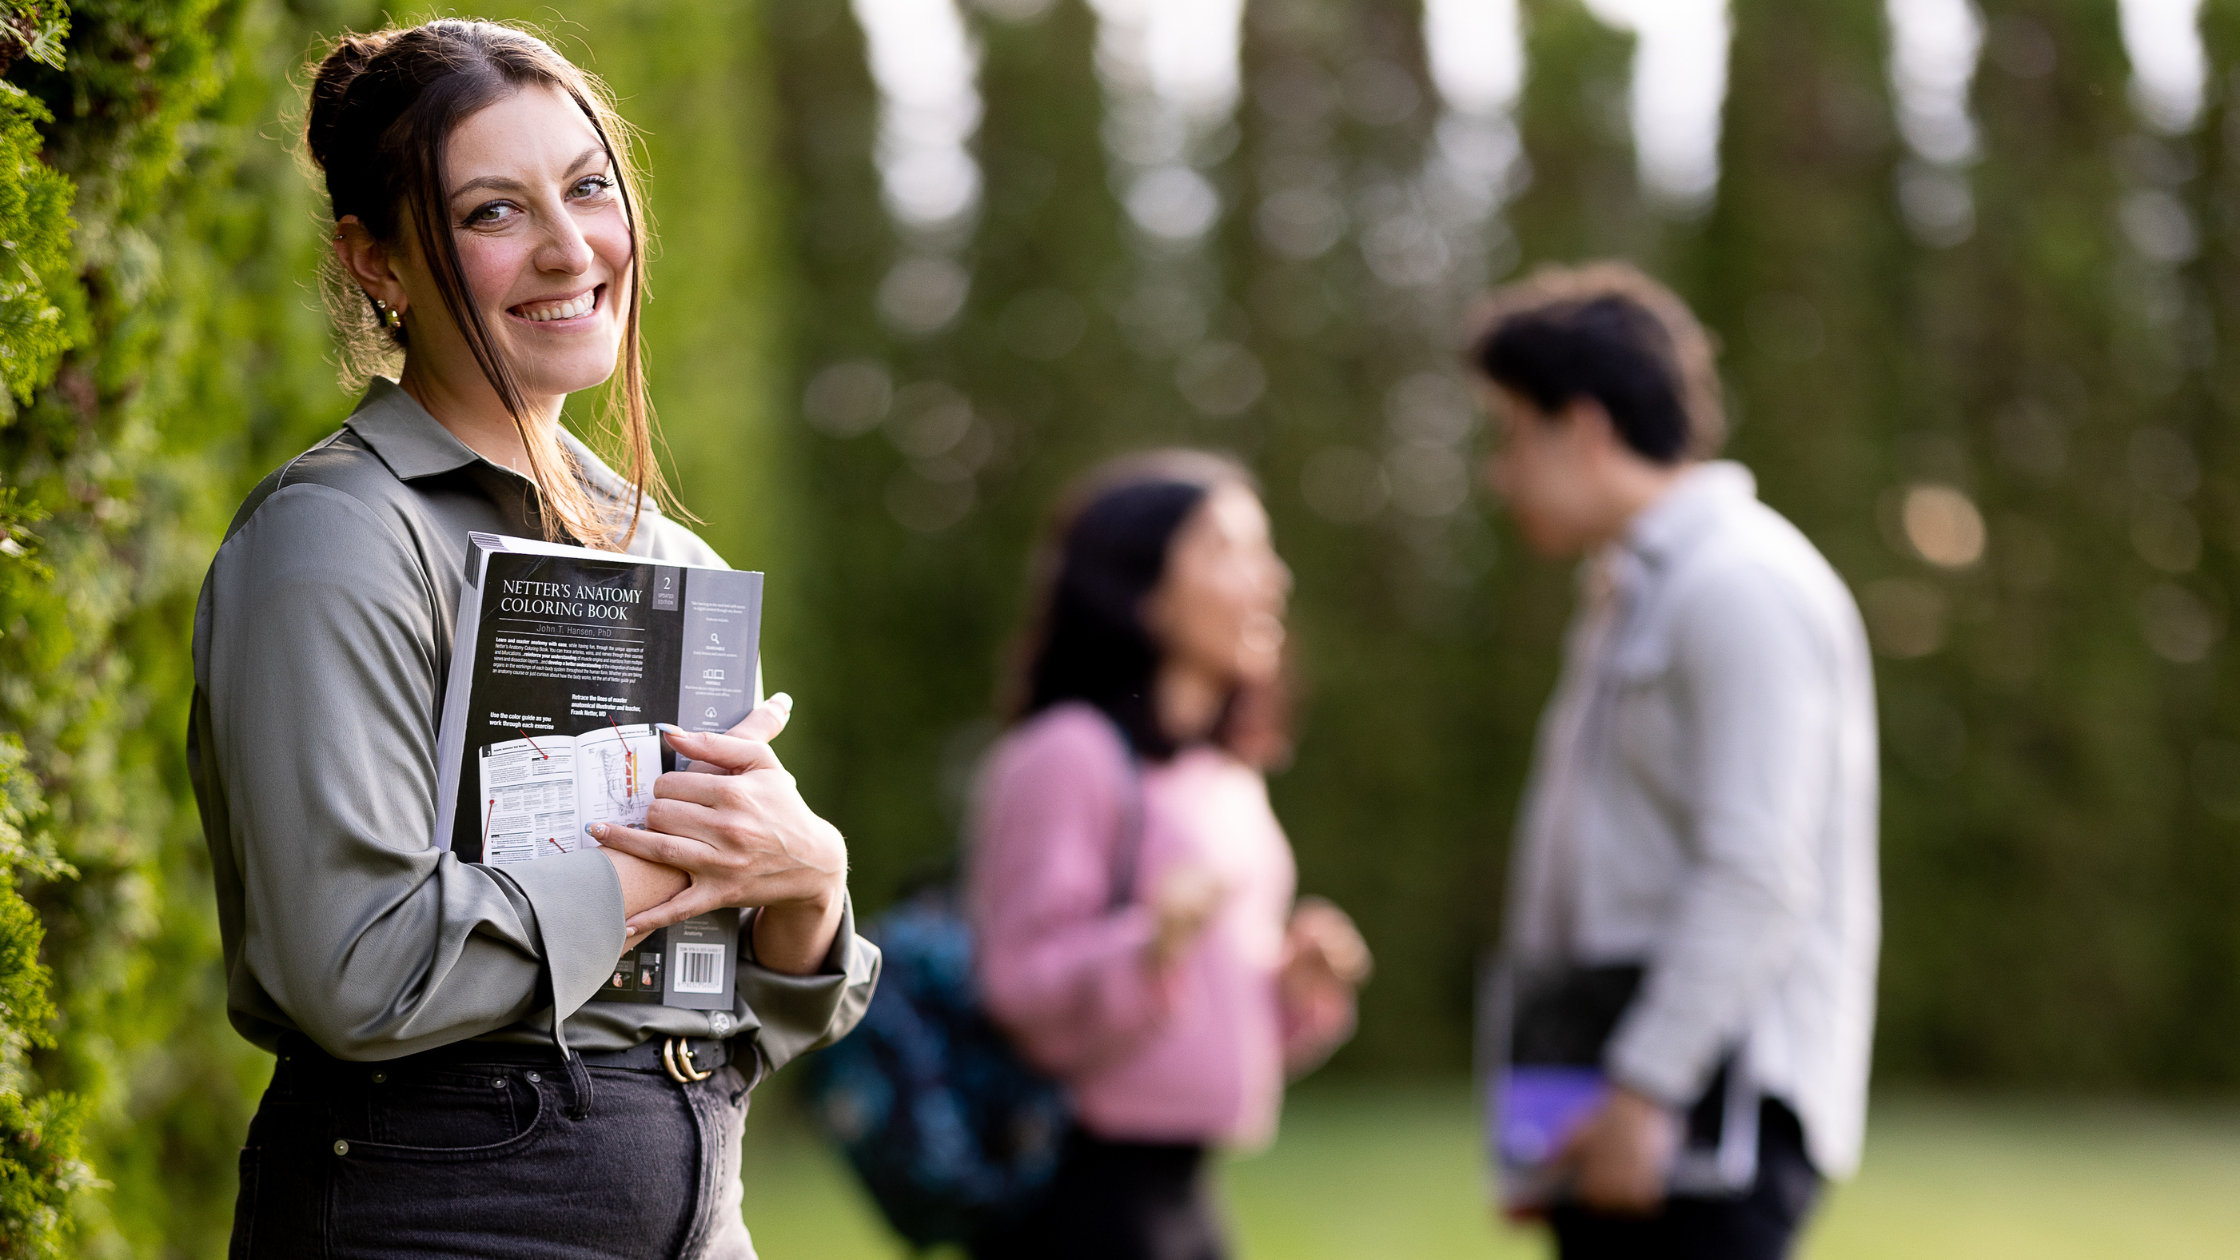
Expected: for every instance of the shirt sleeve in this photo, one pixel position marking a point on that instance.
(322, 687)
(1757, 699)
(1066, 974)
(797, 1014)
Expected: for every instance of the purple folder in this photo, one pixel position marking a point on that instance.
(1537, 1106)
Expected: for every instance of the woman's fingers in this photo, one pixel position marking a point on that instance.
(692, 901)
(745, 746)
(715, 791)
(1321, 927)
(653, 846)
(679, 816)
(736, 824)
(729, 754)
(767, 720)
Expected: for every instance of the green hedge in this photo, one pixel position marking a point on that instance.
(193, 355)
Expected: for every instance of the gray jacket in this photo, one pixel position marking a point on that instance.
(1704, 799)
(322, 640)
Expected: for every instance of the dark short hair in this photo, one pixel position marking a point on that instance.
(1608, 332)
(1104, 551)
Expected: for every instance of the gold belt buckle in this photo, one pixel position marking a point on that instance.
(676, 1055)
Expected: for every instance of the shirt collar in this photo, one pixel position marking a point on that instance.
(1694, 503)
(409, 440)
(415, 444)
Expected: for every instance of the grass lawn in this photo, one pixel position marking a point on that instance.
(1377, 1171)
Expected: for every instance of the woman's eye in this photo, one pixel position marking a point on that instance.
(591, 186)
(491, 214)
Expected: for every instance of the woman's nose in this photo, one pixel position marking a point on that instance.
(565, 249)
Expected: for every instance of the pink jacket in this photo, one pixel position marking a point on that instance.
(1193, 1053)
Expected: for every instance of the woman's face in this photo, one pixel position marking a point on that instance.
(1219, 606)
(535, 208)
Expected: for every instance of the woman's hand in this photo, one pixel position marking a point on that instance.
(1324, 961)
(1182, 905)
(743, 836)
(1322, 948)
(644, 886)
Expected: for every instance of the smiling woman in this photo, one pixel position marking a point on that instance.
(447, 1082)
(498, 244)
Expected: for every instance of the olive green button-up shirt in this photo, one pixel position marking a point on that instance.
(322, 641)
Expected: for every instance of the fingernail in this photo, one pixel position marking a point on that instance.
(667, 728)
(594, 830)
(782, 700)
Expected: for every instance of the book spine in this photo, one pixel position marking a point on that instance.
(451, 731)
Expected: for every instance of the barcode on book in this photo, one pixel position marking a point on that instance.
(699, 969)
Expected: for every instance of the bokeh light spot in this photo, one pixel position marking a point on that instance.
(1943, 526)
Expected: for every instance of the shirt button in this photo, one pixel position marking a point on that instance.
(380, 1078)
(497, 1082)
(341, 1148)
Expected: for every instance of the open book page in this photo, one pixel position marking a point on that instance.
(529, 795)
(615, 770)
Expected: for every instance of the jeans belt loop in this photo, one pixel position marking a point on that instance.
(676, 1056)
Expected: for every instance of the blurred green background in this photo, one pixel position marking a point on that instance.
(1993, 383)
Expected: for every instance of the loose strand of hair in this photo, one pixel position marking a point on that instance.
(628, 405)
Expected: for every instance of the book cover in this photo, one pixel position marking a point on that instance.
(565, 660)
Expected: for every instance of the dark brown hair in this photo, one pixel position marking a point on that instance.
(382, 110)
(1607, 331)
(1103, 551)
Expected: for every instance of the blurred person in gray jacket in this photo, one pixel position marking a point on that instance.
(1700, 824)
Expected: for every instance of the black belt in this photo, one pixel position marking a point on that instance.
(683, 1059)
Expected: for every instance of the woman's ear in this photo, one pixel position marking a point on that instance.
(368, 263)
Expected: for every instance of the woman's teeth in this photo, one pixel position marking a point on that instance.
(559, 310)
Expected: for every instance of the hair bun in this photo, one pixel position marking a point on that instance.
(330, 87)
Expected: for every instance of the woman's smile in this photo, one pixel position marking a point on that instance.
(563, 313)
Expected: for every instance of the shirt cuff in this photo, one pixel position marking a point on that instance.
(577, 899)
(798, 1014)
(1643, 1059)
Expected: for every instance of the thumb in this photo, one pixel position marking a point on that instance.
(767, 721)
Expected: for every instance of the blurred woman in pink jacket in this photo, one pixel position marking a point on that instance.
(1131, 889)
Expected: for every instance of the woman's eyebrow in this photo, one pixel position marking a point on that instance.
(501, 183)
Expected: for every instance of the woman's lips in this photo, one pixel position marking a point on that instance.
(553, 310)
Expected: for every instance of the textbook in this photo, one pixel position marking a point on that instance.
(564, 661)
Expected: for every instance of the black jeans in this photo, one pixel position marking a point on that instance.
(460, 1158)
(1119, 1201)
(1760, 1225)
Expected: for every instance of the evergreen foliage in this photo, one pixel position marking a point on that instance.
(34, 247)
(195, 354)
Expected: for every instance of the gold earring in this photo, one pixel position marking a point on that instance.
(389, 318)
